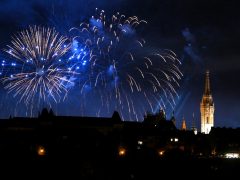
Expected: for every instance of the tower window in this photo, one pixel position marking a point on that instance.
(207, 120)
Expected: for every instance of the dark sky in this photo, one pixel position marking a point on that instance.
(205, 34)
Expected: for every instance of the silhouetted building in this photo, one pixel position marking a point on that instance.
(116, 117)
(107, 145)
(225, 141)
(155, 119)
(46, 114)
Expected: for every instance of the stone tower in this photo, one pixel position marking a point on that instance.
(207, 108)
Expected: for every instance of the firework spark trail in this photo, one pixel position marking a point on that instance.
(106, 58)
(119, 68)
(36, 70)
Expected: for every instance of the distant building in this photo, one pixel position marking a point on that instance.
(207, 108)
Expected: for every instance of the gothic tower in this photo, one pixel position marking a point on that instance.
(207, 108)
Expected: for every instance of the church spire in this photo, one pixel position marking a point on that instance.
(207, 108)
(194, 128)
(207, 84)
(193, 121)
(184, 126)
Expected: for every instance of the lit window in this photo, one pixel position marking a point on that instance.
(140, 142)
(122, 151)
(160, 153)
(41, 151)
(232, 155)
(174, 139)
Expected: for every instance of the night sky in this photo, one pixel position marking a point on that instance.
(204, 34)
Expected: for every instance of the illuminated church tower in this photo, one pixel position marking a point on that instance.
(207, 108)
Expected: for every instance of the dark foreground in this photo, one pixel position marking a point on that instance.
(51, 147)
(100, 167)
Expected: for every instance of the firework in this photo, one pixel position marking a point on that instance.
(117, 68)
(34, 69)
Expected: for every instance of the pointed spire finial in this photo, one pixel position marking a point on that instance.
(184, 126)
(193, 121)
(207, 84)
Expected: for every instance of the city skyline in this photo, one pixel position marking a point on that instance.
(203, 34)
